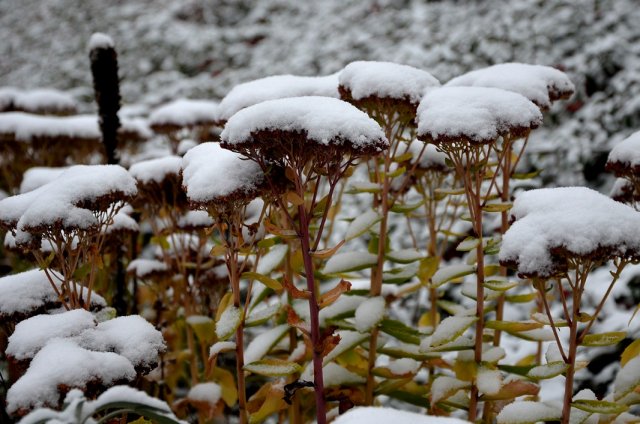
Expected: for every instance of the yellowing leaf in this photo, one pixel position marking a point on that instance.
(599, 406)
(630, 352)
(512, 326)
(603, 339)
(332, 295)
(272, 367)
(267, 281)
(327, 253)
(203, 326)
(497, 207)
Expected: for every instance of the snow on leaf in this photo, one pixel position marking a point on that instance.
(603, 339)
(272, 367)
(369, 313)
(404, 256)
(349, 261)
(450, 329)
(228, 322)
(445, 386)
(599, 406)
(550, 370)
(450, 273)
(627, 379)
(489, 381)
(272, 259)
(263, 343)
(528, 412)
(361, 224)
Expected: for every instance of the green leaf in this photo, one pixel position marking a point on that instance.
(526, 176)
(497, 207)
(512, 326)
(599, 406)
(273, 367)
(405, 207)
(363, 187)
(603, 339)
(400, 331)
(499, 283)
(550, 370)
(160, 241)
(273, 284)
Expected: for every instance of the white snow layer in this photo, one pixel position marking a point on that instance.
(386, 80)
(378, 415)
(627, 152)
(185, 113)
(325, 120)
(430, 158)
(142, 267)
(100, 40)
(528, 412)
(540, 84)
(156, 170)
(211, 173)
(577, 219)
(276, 87)
(64, 363)
(477, 114)
(36, 101)
(38, 176)
(369, 313)
(205, 392)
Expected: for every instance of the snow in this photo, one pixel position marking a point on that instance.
(129, 336)
(228, 322)
(156, 170)
(218, 347)
(333, 375)
(26, 127)
(205, 392)
(64, 363)
(474, 114)
(263, 343)
(30, 291)
(38, 176)
(272, 259)
(489, 381)
(370, 313)
(324, 120)
(348, 339)
(343, 262)
(343, 305)
(32, 334)
(445, 386)
(431, 158)
(123, 222)
(540, 84)
(365, 79)
(451, 272)
(385, 415)
(144, 268)
(276, 87)
(39, 101)
(626, 153)
(627, 379)
(362, 223)
(404, 366)
(185, 113)
(212, 174)
(570, 221)
(57, 202)
(195, 219)
(100, 40)
(450, 328)
(524, 412)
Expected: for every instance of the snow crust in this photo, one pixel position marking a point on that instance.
(185, 113)
(276, 87)
(100, 40)
(325, 121)
(477, 114)
(577, 220)
(627, 152)
(540, 84)
(379, 415)
(211, 173)
(386, 80)
(156, 170)
(64, 363)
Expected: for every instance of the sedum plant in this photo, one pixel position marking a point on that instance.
(315, 140)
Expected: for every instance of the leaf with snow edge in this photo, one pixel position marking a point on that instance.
(501, 284)
(627, 379)
(203, 326)
(521, 297)
(470, 290)
(460, 344)
(544, 319)
(550, 370)
(229, 322)
(369, 313)
(273, 367)
(544, 334)
(513, 389)
(630, 352)
(348, 340)
(357, 187)
(578, 416)
(406, 350)
(452, 308)
(497, 207)
(450, 329)
(273, 284)
(444, 387)
(328, 252)
(220, 347)
(263, 343)
(405, 208)
(272, 259)
(468, 244)
(599, 406)
(400, 331)
(489, 381)
(349, 261)
(450, 273)
(603, 339)
(400, 275)
(399, 369)
(528, 412)
(342, 308)
(260, 315)
(404, 256)
(512, 326)
(361, 224)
